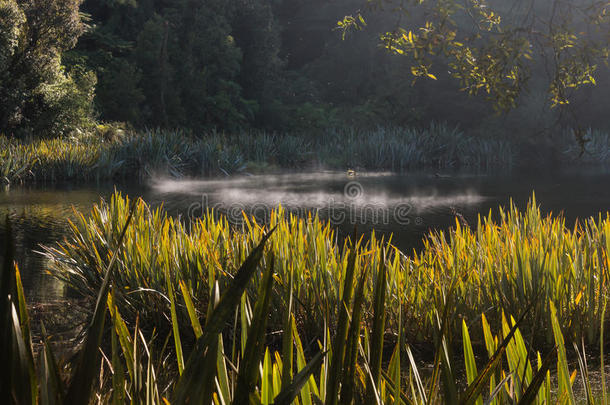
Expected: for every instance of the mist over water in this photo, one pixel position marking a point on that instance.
(406, 207)
(315, 191)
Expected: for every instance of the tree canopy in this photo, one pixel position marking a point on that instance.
(37, 93)
(498, 46)
(285, 65)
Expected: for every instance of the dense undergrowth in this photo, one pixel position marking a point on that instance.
(522, 259)
(113, 154)
(121, 154)
(282, 314)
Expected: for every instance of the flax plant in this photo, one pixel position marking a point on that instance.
(127, 155)
(232, 360)
(523, 259)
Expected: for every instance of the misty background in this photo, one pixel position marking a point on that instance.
(283, 66)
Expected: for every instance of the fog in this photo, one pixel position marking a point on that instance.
(311, 191)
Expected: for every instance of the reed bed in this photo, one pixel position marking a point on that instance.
(399, 149)
(522, 259)
(226, 356)
(47, 160)
(128, 155)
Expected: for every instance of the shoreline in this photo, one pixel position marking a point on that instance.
(175, 154)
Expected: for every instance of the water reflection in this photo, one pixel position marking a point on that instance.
(407, 206)
(39, 216)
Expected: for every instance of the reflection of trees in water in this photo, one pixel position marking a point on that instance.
(32, 226)
(39, 215)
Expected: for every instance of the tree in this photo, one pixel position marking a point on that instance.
(495, 47)
(257, 34)
(175, 63)
(37, 94)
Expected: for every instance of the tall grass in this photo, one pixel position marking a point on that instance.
(176, 153)
(129, 155)
(345, 368)
(523, 259)
(47, 160)
(28, 381)
(399, 149)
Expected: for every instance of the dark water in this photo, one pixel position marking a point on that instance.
(406, 206)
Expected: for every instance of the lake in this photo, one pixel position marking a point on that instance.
(407, 206)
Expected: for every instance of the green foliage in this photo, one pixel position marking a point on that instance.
(493, 47)
(523, 259)
(38, 95)
(347, 371)
(192, 64)
(142, 385)
(251, 374)
(400, 149)
(118, 95)
(233, 65)
(115, 152)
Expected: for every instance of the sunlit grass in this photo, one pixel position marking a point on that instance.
(47, 160)
(522, 259)
(219, 289)
(176, 153)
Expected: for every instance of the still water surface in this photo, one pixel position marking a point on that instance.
(405, 206)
